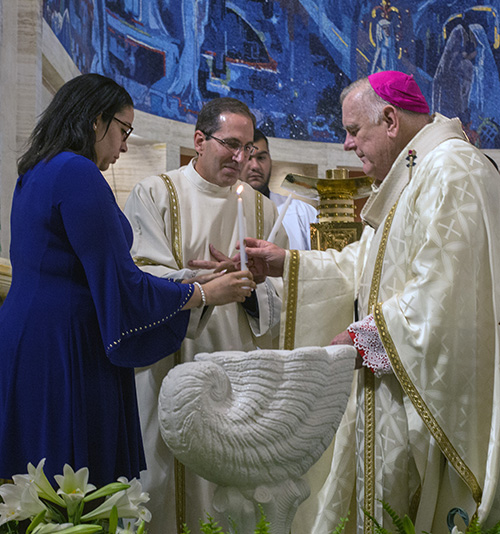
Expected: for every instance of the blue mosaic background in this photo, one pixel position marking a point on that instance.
(288, 59)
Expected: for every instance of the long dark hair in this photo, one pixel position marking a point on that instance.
(68, 121)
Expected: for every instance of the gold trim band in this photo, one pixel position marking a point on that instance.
(291, 308)
(424, 412)
(174, 220)
(259, 215)
(141, 261)
(369, 390)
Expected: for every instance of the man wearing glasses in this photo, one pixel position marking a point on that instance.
(191, 213)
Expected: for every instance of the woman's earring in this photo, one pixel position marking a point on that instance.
(95, 126)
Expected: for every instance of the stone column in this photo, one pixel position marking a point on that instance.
(20, 90)
(8, 123)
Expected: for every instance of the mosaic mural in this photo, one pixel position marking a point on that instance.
(289, 59)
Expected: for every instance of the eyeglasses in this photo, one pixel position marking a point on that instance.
(234, 146)
(127, 132)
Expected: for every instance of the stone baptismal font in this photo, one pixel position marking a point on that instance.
(254, 423)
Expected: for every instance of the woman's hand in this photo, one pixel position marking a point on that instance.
(223, 288)
(229, 287)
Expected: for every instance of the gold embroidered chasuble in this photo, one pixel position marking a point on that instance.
(426, 436)
(175, 217)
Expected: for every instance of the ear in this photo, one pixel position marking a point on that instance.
(95, 124)
(199, 141)
(390, 117)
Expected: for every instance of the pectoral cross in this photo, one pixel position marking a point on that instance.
(412, 156)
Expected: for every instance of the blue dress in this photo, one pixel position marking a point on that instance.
(78, 318)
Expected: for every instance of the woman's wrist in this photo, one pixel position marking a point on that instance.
(202, 294)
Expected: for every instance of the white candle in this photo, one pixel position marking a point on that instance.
(279, 220)
(242, 229)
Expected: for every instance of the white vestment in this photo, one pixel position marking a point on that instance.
(175, 219)
(297, 220)
(426, 436)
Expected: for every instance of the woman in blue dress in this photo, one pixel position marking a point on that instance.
(80, 315)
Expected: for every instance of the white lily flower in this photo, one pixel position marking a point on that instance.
(27, 499)
(144, 515)
(44, 487)
(137, 497)
(9, 512)
(135, 493)
(456, 531)
(74, 485)
(128, 503)
(127, 529)
(20, 500)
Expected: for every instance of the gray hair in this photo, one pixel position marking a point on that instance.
(373, 104)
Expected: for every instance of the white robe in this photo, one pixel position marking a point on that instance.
(432, 435)
(297, 220)
(171, 226)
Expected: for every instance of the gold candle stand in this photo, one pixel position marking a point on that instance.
(336, 226)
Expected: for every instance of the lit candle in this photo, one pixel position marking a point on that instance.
(242, 229)
(279, 220)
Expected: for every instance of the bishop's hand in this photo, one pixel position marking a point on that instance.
(264, 258)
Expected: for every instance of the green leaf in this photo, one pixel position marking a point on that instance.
(36, 521)
(396, 520)
(212, 527)
(408, 525)
(113, 520)
(378, 527)
(262, 526)
(141, 528)
(341, 526)
(56, 514)
(114, 487)
(81, 529)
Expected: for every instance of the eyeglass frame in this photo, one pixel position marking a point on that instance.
(130, 129)
(252, 149)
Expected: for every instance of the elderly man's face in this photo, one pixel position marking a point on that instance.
(370, 141)
(257, 170)
(217, 162)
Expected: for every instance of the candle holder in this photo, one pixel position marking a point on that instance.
(336, 195)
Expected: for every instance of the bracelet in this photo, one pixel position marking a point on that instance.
(203, 296)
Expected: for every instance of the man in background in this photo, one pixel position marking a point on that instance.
(299, 215)
(191, 213)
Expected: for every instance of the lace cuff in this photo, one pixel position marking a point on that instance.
(364, 335)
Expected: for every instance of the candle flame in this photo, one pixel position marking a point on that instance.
(239, 190)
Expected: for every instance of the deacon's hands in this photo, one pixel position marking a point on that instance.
(264, 259)
(220, 262)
